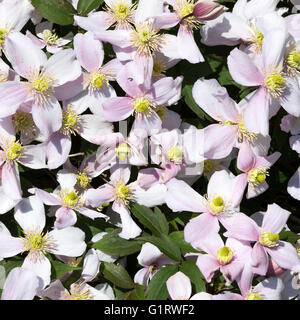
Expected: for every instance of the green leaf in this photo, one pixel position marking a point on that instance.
(60, 268)
(57, 11)
(86, 6)
(157, 289)
(178, 238)
(117, 275)
(111, 243)
(288, 236)
(190, 269)
(165, 245)
(155, 222)
(138, 293)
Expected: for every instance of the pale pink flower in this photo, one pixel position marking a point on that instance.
(266, 238)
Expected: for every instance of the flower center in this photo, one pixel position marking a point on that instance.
(23, 123)
(77, 292)
(37, 243)
(70, 199)
(3, 33)
(293, 61)
(257, 39)
(216, 205)
(123, 193)
(275, 83)
(122, 11)
(83, 179)
(185, 9)
(123, 151)
(257, 176)
(97, 80)
(225, 255)
(175, 154)
(14, 151)
(70, 122)
(141, 105)
(50, 38)
(253, 296)
(269, 239)
(244, 134)
(146, 39)
(40, 85)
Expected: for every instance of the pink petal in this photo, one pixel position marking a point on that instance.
(94, 22)
(10, 246)
(11, 181)
(243, 69)
(260, 260)
(65, 217)
(13, 94)
(207, 265)
(256, 115)
(89, 52)
(285, 255)
(275, 218)
(117, 109)
(179, 286)
(187, 46)
(199, 228)
(20, 284)
(219, 140)
(181, 197)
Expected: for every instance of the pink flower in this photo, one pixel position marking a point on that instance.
(230, 258)
(275, 86)
(255, 173)
(266, 238)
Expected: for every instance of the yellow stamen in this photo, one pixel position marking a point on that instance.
(83, 179)
(269, 239)
(23, 123)
(123, 151)
(146, 39)
(275, 83)
(141, 105)
(37, 243)
(257, 176)
(14, 151)
(122, 13)
(225, 255)
(175, 154)
(257, 40)
(77, 292)
(71, 199)
(123, 193)
(70, 122)
(293, 61)
(253, 296)
(40, 85)
(184, 9)
(216, 205)
(50, 38)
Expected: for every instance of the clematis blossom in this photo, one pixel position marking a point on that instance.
(266, 238)
(255, 173)
(43, 77)
(30, 215)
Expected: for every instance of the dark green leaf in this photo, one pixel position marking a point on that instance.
(111, 243)
(178, 238)
(60, 268)
(86, 6)
(117, 275)
(57, 11)
(190, 269)
(288, 236)
(155, 222)
(165, 245)
(138, 293)
(157, 289)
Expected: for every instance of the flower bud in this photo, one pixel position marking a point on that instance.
(208, 9)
